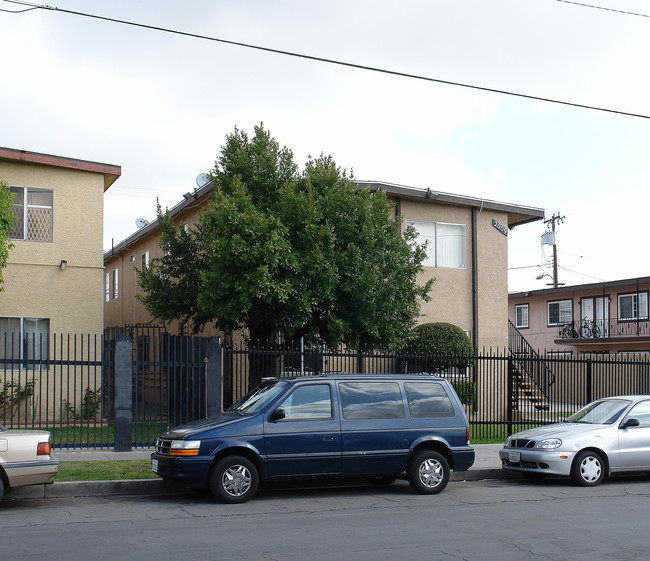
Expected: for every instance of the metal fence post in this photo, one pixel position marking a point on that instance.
(213, 379)
(123, 393)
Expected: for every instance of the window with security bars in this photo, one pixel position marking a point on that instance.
(33, 212)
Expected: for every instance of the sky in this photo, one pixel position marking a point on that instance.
(160, 105)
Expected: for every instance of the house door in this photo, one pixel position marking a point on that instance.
(595, 310)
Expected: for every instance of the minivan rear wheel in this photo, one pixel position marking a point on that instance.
(428, 472)
(234, 479)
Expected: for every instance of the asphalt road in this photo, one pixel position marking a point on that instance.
(470, 520)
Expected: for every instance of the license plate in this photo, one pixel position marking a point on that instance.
(514, 457)
(154, 465)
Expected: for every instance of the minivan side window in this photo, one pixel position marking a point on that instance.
(371, 400)
(308, 402)
(428, 399)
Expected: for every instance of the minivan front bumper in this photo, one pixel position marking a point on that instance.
(190, 472)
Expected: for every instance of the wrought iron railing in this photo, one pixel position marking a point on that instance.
(604, 328)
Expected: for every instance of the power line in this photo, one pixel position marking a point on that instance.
(330, 61)
(603, 8)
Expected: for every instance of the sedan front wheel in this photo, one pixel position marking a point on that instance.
(588, 469)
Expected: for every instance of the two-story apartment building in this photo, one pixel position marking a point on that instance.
(603, 317)
(467, 255)
(54, 274)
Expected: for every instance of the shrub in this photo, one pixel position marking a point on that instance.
(436, 347)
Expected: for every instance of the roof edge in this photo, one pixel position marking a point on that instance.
(110, 172)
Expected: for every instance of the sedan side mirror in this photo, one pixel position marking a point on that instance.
(631, 422)
(277, 415)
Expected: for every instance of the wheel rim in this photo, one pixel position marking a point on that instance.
(236, 480)
(431, 473)
(590, 469)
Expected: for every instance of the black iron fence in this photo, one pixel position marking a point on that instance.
(68, 386)
(96, 391)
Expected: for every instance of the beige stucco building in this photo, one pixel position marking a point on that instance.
(467, 255)
(53, 280)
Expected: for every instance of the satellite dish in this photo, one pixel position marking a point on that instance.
(141, 222)
(202, 179)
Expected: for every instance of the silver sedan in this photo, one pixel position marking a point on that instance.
(610, 435)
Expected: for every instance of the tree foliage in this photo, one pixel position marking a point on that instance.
(279, 250)
(6, 224)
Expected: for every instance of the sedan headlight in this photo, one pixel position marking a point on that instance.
(549, 444)
(185, 448)
(506, 444)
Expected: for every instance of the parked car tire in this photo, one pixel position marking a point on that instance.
(234, 479)
(381, 480)
(428, 472)
(588, 469)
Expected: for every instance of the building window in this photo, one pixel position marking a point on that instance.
(33, 211)
(446, 243)
(521, 316)
(559, 312)
(26, 339)
(116, 283)
(107, 287)
(145, 260)
(633, 306)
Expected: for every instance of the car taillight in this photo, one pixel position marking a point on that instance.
(43, 449)
(468, 436)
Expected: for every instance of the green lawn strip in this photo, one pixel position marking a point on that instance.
(104, 470)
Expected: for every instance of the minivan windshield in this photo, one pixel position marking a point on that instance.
(259, 397)
(600, 412)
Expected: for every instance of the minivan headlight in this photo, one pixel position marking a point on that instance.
(185, 448)
(549, 444)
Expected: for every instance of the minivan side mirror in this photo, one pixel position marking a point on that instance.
(631, 422)
(277, 415)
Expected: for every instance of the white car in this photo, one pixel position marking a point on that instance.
(610, 435)
(25, 458)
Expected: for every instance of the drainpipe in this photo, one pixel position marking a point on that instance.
(474, 278)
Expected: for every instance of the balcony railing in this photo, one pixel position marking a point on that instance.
(604, 329)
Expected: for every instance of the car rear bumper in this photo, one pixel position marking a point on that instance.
(549, 462)
(36, 472)
(190, 472)
(463, 458)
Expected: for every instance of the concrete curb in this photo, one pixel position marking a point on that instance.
(67, 489)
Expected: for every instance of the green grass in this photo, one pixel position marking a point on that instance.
(105, 470)
(76, 435)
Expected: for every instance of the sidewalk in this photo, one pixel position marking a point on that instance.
(486, 466)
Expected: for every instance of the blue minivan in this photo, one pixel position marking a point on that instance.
(380, 427)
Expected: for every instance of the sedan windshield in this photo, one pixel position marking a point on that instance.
(600, 412)
(258, 398)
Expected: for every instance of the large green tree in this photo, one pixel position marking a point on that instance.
(279, 250)
(6, 224)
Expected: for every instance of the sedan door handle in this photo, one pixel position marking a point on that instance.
(328, 437)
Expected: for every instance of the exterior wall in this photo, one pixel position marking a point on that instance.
(452, 295)
(35, 284)
(126, 309)
(619, 336)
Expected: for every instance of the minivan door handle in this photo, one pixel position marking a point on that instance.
(328, 437)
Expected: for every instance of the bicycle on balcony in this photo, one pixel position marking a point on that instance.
(589, 329)
(569, 331)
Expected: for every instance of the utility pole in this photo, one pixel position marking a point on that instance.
(550, 224)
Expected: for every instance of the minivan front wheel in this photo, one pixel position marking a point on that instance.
(428, 472)
(234, 479)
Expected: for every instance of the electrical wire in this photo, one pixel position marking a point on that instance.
(581, 275)
(331, 61)
(603, 8)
